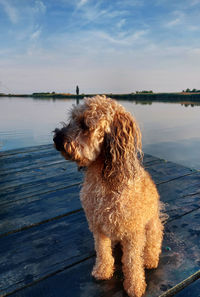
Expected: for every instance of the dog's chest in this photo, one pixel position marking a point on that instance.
(105, 209)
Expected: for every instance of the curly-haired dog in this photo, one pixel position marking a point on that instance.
(119, 197)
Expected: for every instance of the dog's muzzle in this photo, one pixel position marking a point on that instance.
(58, 140)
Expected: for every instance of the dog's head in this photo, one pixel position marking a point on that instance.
(100, 128)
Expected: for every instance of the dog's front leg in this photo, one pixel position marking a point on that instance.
(133, 264)
(104, 266)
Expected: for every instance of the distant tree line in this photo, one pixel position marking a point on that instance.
(191, 91)
(144, 92)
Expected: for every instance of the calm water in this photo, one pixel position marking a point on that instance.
(170, 131)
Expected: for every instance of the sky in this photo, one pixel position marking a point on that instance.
(104, 46)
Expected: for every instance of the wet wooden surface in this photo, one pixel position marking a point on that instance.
(46, 248)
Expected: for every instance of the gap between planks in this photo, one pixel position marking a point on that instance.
(71, 213)
(41, 222)
(49, 275)
(179, 287)
(62, 187)
(26, 150)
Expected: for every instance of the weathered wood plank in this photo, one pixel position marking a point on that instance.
(37, 252)
(29, 210)
(29, 160)
(181, 254)
(181, 195)
(27, 206)
(77, 281)
(179, 259)
(42, 186)
(149, 159)
(9, 156)
(35, 210)
(38, 208)
(165, 171)
(38, 170)
(182, 206)
(39, 192)
(35, 174)
(44, 157)
(161, 172)
(184, 186)
(22, 150)
(34, 150)
(192, 290)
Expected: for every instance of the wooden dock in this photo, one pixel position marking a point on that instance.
(46, 249)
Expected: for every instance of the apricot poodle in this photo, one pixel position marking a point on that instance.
(120, 199)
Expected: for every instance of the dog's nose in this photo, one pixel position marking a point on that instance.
(58, 140)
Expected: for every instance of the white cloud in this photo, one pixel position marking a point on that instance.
(109, 38)
(40, 7)
(81, 3)
(122, 38)
(178, 18)
(193, 27)
(10, 10)
(121, 23)
(174, 22)
(35, 35)
(110, 54)
(137, 35)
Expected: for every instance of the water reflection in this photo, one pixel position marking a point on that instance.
(170, 130)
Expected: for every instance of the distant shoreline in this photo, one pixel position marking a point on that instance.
(146, 97)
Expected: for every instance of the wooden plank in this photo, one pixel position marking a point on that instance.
(182, 206)
(180, 256)
(165, 171)
(42, 186)
(76, 281)
(192, 290)
(184, 285)
(21, 153)
(38, 209)
(38, 169)
(184, 186)
(179, 259)
(181, 195)
(22, 150)
(37, 252)
(40, 172)
(35, 182)
(32, 160)
(29, 160)
(33, 198)
(36, 174)
(40, 206)
(31, 166)
(30, 210)
(161, 172)
(147, 159)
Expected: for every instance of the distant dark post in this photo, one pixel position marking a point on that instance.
(77, 93)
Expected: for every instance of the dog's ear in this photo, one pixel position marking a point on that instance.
(122, 146)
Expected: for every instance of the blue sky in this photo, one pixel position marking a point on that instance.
(103, 46)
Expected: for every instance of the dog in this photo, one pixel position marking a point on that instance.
(119, 197)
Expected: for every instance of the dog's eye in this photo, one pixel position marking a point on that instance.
(83, 125)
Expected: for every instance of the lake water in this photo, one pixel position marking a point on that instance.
(170, 130)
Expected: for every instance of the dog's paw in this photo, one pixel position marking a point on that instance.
(151, 264)
(136, 290)
(102, 272)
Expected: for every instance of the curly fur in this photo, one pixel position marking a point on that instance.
(119, 197)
